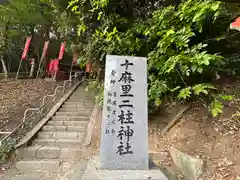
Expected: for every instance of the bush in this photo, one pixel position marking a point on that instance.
(178, 60)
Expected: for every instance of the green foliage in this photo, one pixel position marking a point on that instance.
(97, 88)
(216, 107)
(175, 51)
(202, 88)
(225, 97)
(6, 148)
(168, 36)
(175, 55)
(185, 93)
(197, 90)
(41, 19)
(159, 88)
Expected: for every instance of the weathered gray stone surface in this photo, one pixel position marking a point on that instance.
(77, 105)
(76, 128)
(93, 172)
(96, 116)
(54, 128)
(39, 165)
(59, 113)
(82, 111)
(27, 152)
(189, 166)
(30, 176)
(59, 142)
(70, 118)
(67, 123)
(48, 152)
(75, 171)
(114, 131)
(71, 153)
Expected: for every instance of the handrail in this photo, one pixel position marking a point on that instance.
(5, 132)
(58, 87)
(22, 123)
(72, 80)
(29, 109)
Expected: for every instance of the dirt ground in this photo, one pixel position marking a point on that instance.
(196, 134)
(217, 141)
(17, 96)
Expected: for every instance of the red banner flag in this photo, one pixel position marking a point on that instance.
(62, 49)
(53, 67)
(88, 67)
(25, 51)
(45, 49)
(236, 24)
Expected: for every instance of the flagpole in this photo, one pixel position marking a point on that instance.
(46, 44)
(19, 67)
(25, 51)
(70, 75)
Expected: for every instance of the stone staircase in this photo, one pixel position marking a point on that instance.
(60, 140)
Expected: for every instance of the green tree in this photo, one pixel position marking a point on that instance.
(36, 18)
(172, 35)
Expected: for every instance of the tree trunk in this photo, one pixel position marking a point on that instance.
(4, 68)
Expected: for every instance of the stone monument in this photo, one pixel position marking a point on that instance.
(124, 138)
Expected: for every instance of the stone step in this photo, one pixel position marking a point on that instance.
(48, 152)
(30, 175)
(59, 142)
(60, 135)
(76, 100)
(42, 165)
(81, 96)
(82, 91)
(79, 102)
(79, 110)
(77, 106)
(67, 123)
(70, 118)
(73, 113)
(48, 128)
